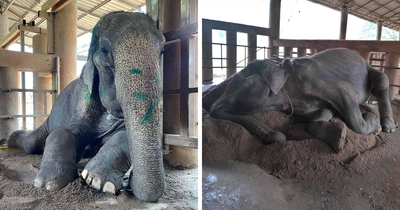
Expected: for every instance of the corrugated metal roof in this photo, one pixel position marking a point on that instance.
(387, 11)
(89, 12)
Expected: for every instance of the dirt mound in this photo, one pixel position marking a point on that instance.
(307, 159)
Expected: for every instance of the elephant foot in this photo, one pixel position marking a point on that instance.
(334, 133)
(107, 169)
(16, 138)
(388, 125)
(58, 167)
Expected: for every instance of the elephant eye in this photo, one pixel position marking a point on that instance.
(104, 51)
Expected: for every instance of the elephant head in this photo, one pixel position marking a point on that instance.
(255, 88)
(123, 71)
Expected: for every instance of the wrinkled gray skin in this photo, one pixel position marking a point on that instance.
(115, 104)
(329, 83)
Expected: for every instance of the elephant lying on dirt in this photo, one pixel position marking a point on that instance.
(115, 103)
(329, 83)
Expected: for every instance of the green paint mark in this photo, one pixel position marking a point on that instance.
(136, 71)
(157, 79)
(101, 91)
(141, 96)
(96, 54)
(87, 92)
(149, 112)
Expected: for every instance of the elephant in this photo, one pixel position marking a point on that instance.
(334, 82)
(115, 104)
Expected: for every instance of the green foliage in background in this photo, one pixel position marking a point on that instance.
(368, 32)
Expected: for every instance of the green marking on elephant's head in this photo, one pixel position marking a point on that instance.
(96, 54)
(101, 91)
(87, 92)
(136, 71)
(143, 96)
(149, 112)
(157, 79)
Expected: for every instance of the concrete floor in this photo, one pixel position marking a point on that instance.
(237, 185)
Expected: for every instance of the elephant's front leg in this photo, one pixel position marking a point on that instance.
(334, 133)
(58, 166)
(106, 170)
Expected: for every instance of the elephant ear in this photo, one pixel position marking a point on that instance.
(275, 78)
(89, 75)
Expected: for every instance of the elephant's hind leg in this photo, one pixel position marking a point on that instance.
(380, 89)
(106, 170)
(58, 167)
(334, 133)
(31, 143)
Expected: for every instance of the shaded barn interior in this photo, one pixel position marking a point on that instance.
(240, 171)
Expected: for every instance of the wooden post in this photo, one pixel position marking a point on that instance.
(252, 50)
(301, 52)
(288, 52)
(343, 22)
(8, 79)
(392, 60)
(379, 30)
(274, 25)
(231, 41)
(207, 55)
(313, 51)
(65, 26)
(365, 55)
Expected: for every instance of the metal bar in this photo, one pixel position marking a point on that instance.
(26, 90)
(394, 85)
(23, 7)
(177, 91)
(181, 32)
(383, 5)
(386, 67)
(220, 25)
(221, 56)
(21, 116)
(191, 142)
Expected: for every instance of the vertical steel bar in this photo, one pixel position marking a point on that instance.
(22, 44)
(184, 91)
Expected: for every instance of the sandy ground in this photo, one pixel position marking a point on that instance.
(18, 170)
(241, 172)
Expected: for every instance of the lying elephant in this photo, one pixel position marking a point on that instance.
(318, 87)
(115, 103)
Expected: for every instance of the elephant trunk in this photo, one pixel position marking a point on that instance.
(139, 92)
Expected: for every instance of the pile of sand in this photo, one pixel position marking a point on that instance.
(307, 159)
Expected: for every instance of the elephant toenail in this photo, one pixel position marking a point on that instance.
(109, 188)
(84, 173)
(96, 183)
(89, 180)
(38, 183)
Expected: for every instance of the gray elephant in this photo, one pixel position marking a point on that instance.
(116, 103)
(330, 83)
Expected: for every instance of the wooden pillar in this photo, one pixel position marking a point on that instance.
(65, 25)
(301, 52)
(207, 55)
(274, 25)
(288, 52)
(231, 54)
(9, 100)
(379, 30)
(42, 101)
(365, 55)
(252, 50)
(313, 51)
(392, 60)
(343, 22)
(176, 76)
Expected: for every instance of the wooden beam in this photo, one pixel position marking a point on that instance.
(220, 25)
(21, 61)
(89, 13)
(376, 46)
(32, 29)
(7, 6)
(49, 4)
(177, 140)
(61, 4)
(10, 38)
